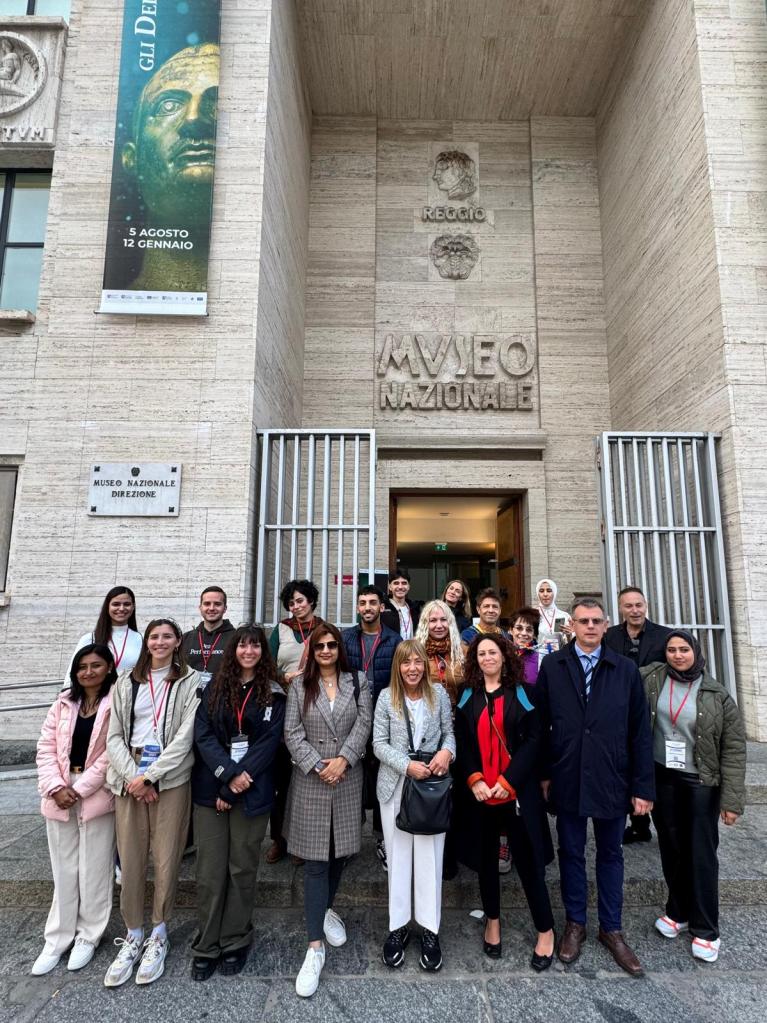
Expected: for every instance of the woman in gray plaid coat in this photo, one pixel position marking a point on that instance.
(327, 723)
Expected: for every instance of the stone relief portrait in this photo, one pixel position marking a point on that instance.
(455, 173)
(454, 255)
(22, 73)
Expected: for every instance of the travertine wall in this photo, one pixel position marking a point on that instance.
(80, 387)
(683, 195)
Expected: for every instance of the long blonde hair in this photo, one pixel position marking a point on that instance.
(404, 650)
(422, 632)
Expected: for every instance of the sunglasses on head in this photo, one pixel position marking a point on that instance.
(330, 645)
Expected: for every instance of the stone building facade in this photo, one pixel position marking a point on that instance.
(594, 259)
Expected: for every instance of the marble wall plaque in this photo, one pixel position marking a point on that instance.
(31, 67)
(135, 488)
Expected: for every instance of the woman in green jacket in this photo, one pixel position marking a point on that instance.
(700, 775)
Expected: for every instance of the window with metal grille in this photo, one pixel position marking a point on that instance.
(7, 495)
(23, 215)
(43, 8)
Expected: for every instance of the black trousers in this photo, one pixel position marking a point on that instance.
(686, 817)
(321, 880)
(502, 820)
(283, 770)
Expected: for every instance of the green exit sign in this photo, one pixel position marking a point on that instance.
(441, 547)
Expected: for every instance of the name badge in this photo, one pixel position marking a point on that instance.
(149, 754)
(238, 747)
(676, 754)
(205, 677)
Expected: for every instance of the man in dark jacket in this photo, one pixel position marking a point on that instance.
(370, 648)
(643, 642)
(597, 761)
(204, 645)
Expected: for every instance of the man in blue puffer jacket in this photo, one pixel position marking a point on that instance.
(370, 648)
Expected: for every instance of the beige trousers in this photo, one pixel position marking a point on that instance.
(82, 863)
(161, 828)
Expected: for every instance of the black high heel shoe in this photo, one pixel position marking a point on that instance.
(540, 963)
(493, 951)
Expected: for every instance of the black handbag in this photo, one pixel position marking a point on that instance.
(426, 803)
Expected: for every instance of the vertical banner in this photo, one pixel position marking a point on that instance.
(161, 199)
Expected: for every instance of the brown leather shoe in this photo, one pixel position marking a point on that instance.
(275, 852)
(570, 944)
(621, 953)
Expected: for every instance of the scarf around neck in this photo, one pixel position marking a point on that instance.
(438, 646)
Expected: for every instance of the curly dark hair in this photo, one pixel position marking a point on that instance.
(311, 673)
(530, 615)
(303, 586)
(226, 684)
(512, 669)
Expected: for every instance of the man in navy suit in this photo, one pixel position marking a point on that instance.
(597, 762)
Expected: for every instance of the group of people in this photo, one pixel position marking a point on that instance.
(307, 730)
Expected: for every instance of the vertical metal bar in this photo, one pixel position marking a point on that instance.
(660, 600)
(672, 536)
(355, 531)
(372, 509)
(262, 511)
(340, 530)
(702, 547)
(608, 525)
(296, 501)
(627, 578)
(639, 517)
(278, 533)
(325, 522)
(723, 600)
(310, 508)
(680, 446)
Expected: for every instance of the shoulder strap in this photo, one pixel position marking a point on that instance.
(356, 687)
(523, 698)
(409, 728)
(465, 697)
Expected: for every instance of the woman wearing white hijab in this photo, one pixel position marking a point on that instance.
(556, 625)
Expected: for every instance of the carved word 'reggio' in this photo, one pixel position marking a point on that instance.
(456, 356)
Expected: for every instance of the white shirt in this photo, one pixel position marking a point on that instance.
(416, 709)
(405, 621)
(144, 711)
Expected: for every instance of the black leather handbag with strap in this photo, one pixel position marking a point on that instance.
(426, 804)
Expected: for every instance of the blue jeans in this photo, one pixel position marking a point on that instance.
(608, 833)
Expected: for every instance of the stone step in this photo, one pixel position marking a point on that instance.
(25, 875)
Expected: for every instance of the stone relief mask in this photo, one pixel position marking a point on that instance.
(455, 174)
(22, 73)
(454, 255)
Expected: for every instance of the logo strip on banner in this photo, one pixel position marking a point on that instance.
(161, 199)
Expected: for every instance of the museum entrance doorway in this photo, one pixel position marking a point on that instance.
(441, 535)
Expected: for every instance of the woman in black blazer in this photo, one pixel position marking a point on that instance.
(498, 735)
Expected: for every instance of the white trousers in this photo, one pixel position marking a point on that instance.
(414, 862)
(83, 866)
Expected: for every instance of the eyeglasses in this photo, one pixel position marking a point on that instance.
(330, 645)
(589, 621)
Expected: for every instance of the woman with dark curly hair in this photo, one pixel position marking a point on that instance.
(498, 737)
(236, 734)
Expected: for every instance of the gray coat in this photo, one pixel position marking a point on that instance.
(319, 734)
(390, 738)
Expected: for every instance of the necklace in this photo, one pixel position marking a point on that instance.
(329, 684)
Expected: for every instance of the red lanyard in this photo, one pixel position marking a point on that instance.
(310, 627)
(241, 711)
(671, 703)
(157, 714)
(120, 657)
(441, 664)
(549, 624)
(366, 663)
(211, 648)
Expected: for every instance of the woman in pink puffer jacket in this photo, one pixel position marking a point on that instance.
(79, 810)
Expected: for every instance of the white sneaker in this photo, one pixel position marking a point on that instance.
(153, 960)
(44, 963)
(669, 928)
(707, 951)
(335, 932)
(308, 979)
(81, 954)
(118, 876)
(122, 966)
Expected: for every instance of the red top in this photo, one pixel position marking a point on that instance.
(495, 759)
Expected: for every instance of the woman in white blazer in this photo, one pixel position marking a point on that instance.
(412, 858)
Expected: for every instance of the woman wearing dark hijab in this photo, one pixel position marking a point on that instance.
(700, 769)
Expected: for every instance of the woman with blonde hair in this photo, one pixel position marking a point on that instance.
(439, 633)
(421, 745)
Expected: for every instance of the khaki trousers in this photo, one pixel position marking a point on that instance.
(161, 828)
(82, 863)
(228, 849)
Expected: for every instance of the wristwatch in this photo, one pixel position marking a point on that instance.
(148, 781)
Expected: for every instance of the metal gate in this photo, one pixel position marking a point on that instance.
(316, 518)
(662, 531)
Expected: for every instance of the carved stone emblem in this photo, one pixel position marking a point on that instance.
(454, 255)
(455, 173)
(23, 72)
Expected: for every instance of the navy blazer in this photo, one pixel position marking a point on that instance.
(652, 642)
(597, 755)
